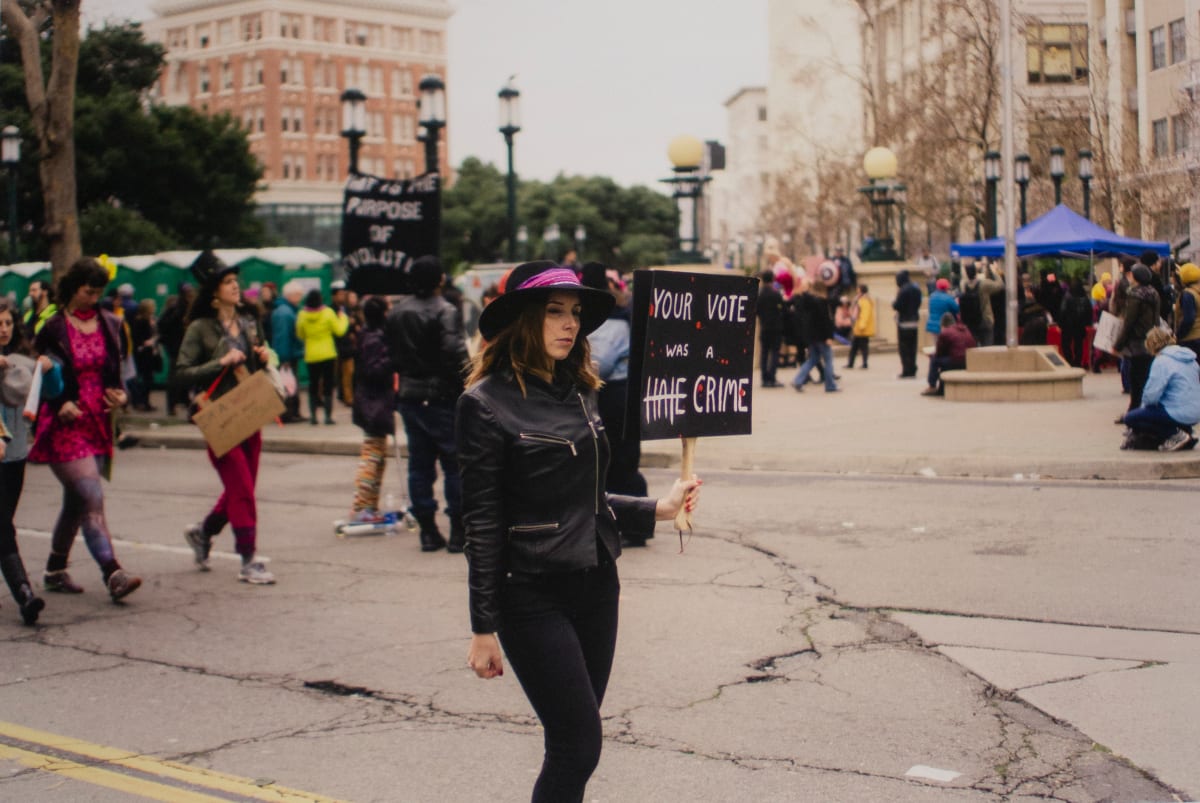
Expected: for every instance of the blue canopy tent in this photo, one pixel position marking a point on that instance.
(1061, 232)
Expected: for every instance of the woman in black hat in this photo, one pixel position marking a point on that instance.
(542, 535)
(221, 336)
(75, 430)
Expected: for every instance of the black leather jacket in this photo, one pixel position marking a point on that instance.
(533, 473)
(425, 338)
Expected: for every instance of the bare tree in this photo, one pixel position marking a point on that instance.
(52, 106)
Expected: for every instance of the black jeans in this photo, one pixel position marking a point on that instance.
(320, 388)
(12, 480)
(559, 633)
(1139, 372)
(624, 476)
(769, 344)
(859, 345)
(908, 351)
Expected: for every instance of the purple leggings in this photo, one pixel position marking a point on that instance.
(82, 507)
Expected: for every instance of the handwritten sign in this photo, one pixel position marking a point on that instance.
(692, 354)
(242, 411)
(386, 224)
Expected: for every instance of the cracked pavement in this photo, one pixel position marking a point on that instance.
(819, 638)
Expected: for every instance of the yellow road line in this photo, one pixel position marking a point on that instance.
(168, 770)
(105, 778)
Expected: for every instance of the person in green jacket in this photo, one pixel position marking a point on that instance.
(317, 325)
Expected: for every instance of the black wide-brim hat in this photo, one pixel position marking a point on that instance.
(533, 282)
(209, 269)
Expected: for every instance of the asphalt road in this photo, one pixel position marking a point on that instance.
(801, 647)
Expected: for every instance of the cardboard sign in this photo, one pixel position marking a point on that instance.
(230, 419)
(691, 355)
(386, 224)
(1107, 331)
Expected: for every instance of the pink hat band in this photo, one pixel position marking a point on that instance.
(551, 278)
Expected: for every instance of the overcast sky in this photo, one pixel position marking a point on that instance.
(605, 84)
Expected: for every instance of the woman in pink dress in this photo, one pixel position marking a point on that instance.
(75, 430)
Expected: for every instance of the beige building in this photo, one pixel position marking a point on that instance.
(1147, 62)
(736, 194)
(280, 66)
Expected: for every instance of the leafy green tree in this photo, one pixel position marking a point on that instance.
(178, 177)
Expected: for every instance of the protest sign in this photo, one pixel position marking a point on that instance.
(1107, 331)
(242, 411)
(692, 354)
(386, 224)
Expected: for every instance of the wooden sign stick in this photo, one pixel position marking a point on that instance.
(683, 519)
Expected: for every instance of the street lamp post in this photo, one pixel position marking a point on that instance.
(10, 154)
(1021, 176)
(991, 173)
(354, 122)
(510, 124)
(759, 242)
(550, 238)
(687, 154)
(432, 117)
(580, 241)
(901, 195)
(523, 242)
(741, 262)
(1057, 171)
(883, 193)
(1085, 177)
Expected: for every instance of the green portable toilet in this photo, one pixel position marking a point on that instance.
(15, 279)
(255, 272)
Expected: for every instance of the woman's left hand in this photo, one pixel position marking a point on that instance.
(683, 496)
(114, 397)
(263, 354)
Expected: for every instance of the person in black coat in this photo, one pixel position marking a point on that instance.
(908, 319)
(373, 409)
(543, 537)
(770, 314)
(1074, 317)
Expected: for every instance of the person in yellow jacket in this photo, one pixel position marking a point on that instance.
(863, 330)
(317, 325)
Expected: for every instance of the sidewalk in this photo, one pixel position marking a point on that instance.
(878, 424)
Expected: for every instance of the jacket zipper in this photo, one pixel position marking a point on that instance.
(550, 439)
(533, 528)
(595, 452)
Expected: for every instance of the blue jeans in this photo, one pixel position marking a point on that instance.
(1153, 421)
(824, 353)
(429, 426)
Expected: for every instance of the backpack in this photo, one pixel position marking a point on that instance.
(970, 308)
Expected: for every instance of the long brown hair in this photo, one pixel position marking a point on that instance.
(18, 344)
(521, 347)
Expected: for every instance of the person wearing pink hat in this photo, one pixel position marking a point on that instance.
(940, 302)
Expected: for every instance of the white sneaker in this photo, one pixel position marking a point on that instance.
(255, 573)
(1175, 442)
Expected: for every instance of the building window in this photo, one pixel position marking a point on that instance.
(260, 120)
(1056, 54)
(324, 29)
(1179, 133)
(402, 83)
(375, 124)
(252, 27)
(290, 25)
(204, 79)
(298, 120)
(402, 39)
(224, 32)
(1178, 31)
(1158, 48)
(226, 75)
(1159, 128)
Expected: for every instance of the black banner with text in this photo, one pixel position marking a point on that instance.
(691, 358)
(386, 224)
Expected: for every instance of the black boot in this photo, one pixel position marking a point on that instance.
(458, 535)
(431, 537)
(22, 591)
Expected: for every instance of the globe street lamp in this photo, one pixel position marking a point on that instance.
(523, 242)
(991, 174)
(10, 154)
(1085, 177)
(1021, 176)
(510, 123)
(432, 116)
(687, 154)
(354, 122)
(580, 240)
(550, 238)
(1057, 171)
(880, 166)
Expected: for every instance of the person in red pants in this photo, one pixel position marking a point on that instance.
(221, 336)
